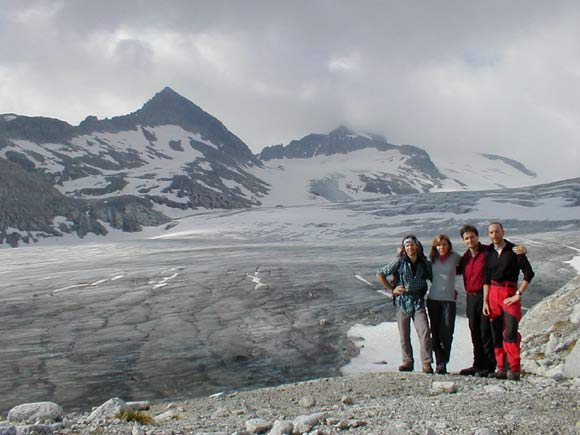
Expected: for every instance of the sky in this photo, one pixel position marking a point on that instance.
(450, 76)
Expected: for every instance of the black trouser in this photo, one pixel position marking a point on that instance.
(442, 319)
(481, 334)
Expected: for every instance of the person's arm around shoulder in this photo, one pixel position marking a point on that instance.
(429, 267)
(526, 268)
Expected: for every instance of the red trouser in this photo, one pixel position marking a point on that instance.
(505, 320)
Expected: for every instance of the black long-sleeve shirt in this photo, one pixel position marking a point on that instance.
(507, 266)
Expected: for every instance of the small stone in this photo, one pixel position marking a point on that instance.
(258, 425)
(307, 402)
(220, 413)
(443, 387)
(304, 423)
(137, 429)
(139, 406)
(343, 424)
(357, 423)
(346, 400)
(281, 427)
(430, 431)
(494, 389)
(166, 416)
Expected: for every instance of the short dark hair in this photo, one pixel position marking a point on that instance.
(467, 228)
(496, 223)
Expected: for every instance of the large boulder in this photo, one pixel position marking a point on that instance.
(38, 411)
(109, 409)
(550, 332)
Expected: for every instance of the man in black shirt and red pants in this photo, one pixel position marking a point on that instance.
(502, 299)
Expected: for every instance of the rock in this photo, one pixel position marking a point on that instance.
(33, 412)
(108, 409)
(7, 430)
(307, 402)
(351, 423)
(166, 416)
(281, 427)
(258, 425)
(139, 406)
(443, 387)
(220, 413)
(137, 429)
(572, 363)
(430, 431)
(36, 429)
(551, 331)
(346, 400)
(304, 423)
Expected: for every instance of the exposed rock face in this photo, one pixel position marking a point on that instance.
(30, 204)
(550, 332)
(127, 171)
(375, 166)
(515, 164)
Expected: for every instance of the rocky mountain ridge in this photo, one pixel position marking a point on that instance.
(170, 157)
(138, 169)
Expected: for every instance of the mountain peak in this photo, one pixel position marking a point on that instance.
(341, 130)
(168, 100)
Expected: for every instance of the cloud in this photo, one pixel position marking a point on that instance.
(452, 76)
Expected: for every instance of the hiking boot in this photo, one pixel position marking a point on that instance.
(427, 368)
(441, 369)
(513, 376)
(498, 374)
(406, 367)
(469, 371)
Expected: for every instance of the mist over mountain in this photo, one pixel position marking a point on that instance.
(170, 158)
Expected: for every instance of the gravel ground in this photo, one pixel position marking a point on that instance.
(374, 403)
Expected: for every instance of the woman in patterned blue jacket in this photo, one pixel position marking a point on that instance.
(410, 271)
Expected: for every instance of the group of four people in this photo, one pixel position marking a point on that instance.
(493, 300)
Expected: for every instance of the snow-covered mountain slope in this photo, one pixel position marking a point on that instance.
(547, 207)
(479, 171)
(541, 208)
(160, 162)
(169, 152)
(344, 165)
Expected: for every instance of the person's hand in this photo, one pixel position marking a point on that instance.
(486, 310)
(512, 300)
(399, 290)
(519, 250)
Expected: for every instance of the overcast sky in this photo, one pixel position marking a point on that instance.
(489, 76)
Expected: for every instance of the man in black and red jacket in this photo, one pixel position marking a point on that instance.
(502, 299)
